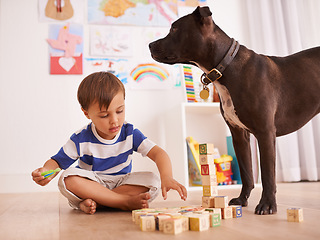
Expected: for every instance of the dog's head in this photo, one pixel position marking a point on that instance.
(186, 41)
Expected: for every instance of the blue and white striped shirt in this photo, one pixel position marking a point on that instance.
(113, 157)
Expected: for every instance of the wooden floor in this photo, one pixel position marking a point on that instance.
(48, 216)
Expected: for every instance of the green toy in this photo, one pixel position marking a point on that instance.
(50, 172)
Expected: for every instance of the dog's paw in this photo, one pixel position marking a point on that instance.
(239, 201)
(265, 208)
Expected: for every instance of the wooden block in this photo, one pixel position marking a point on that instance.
(184, 222)
(137, 216)
(294, 214)
(159, 221)
(208, 169)
(226, 213)
(215, 219)
(206, 148)
(206, 159)
(209, 180)
(172, 226)
(209, 190)
(199, 222)
(214, 210)
(147, 223)
(207, 202)
(236, 211)
(221, 201)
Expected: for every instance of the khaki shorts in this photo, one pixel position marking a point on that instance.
(146, 179)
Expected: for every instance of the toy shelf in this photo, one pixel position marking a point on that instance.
(203, 122)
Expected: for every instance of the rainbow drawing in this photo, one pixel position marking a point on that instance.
(148, 70)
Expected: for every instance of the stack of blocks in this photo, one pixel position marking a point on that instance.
(210, 198)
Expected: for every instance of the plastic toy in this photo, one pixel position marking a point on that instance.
(224, 172)
(50, 172)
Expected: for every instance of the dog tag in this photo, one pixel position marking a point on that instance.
(204, 93)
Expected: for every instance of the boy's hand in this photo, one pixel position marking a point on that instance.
(168, 183)
(41, 180)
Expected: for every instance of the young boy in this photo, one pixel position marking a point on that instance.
(104, 151)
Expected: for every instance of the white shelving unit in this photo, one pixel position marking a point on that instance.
(203, 122)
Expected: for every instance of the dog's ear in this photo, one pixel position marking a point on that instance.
(203, 14)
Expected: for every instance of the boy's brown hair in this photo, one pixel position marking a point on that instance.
(99, 87)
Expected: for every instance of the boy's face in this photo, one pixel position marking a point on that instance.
(109, 121)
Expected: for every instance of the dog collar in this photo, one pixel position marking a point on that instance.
(216, 73)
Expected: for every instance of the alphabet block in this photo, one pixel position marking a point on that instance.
(227, 213)
(209, 190)
(214, 210)
(199, 222)
(159, 221)
(172, 225)
(208, 169)
(294, 214)
(147, 223)
(207, 202)
(209, 180)
(237, 211)
(206, 159)
(221, 201)
(215, 219)
(206, 148)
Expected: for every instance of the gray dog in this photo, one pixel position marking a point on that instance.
(264, 95)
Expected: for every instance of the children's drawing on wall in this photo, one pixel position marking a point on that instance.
(111, 41)
(118, 67)
(153, 76)
(61, 10)
(132, 12)
(66, 48)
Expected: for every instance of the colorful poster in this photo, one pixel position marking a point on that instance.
(118, 67)
(132, 12)
(111, 41)
(66, 49)
(61, 10)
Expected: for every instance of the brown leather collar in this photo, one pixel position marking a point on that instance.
(216, 73)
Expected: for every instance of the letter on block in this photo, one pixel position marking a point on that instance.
(209, 190)
(199, 222)
(208, 169)
(206, 148)
(209, 180)
(215, 219)
(227, 213)
(294, 214)
(147, 223)
(207, 202)
(172, 225)
(214, 210)
(159, 221)
(206, 159)
(237, 211)
(221, 201)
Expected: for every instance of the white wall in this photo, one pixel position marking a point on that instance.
(40, 111)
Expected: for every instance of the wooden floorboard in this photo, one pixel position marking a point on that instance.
(48, 216)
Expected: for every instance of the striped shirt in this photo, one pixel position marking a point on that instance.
(113, 157)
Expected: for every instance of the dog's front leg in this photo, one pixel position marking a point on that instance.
(267, 204)
(241, 143)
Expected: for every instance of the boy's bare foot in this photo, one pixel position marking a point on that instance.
(137, 202)
(88, 206)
